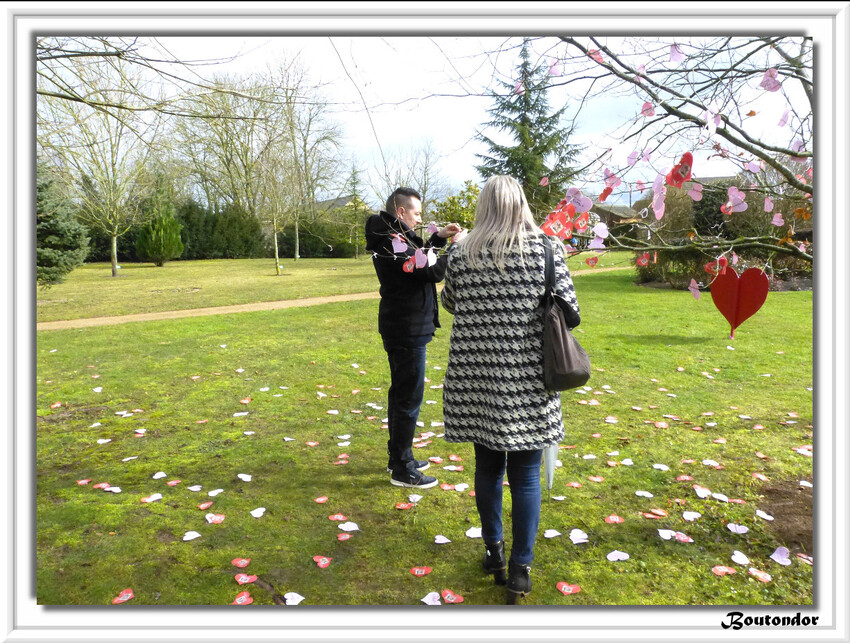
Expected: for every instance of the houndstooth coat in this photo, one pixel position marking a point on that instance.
(493, 391)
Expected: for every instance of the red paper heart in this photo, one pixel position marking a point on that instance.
(337, 517)
(123, 597)
(243, 598)
(241, 562)
(681, 172)
(614, 519)
(205, 505)
(450, 597)
(342, 537)
(722, 570)
(591, 261)
(739, 298)
(420, 571)
(404, 505)
(82, 483)
(567, 589)
(243, 579)
(322, 561)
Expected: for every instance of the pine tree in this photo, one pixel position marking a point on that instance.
(541, 148)
(61, 241)
(159, 240)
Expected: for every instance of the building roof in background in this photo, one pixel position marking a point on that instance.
(333, 204)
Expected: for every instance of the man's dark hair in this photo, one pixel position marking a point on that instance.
(401, 198)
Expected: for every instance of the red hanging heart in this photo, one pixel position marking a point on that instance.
(591, 261)
(739, 298)
(681, 172)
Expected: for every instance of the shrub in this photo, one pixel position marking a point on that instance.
(61, 241)
(159, 240)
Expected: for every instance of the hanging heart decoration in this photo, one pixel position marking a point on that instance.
(739, 298)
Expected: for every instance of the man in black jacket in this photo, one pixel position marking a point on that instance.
(408, 270)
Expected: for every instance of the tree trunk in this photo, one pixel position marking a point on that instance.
(276, 250)
(114, 256)
(297, 244)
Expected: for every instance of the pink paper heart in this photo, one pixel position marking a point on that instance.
(567, 589)
(781, 556)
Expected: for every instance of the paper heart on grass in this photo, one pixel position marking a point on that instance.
(124, 596)
(737, 529)
(441, 540)
(420, 571)
(241, 562)
(292, 598)
(450, 597)
(349, 526)
(722, 570)
(781, 556)
(617, 555)
(567, 589)
(205, 505)
(191, 535)
(214, 519)
(322, 561)
(242, 598)
(740, 558)
(244, 579)
(432, 598)
(152, 498)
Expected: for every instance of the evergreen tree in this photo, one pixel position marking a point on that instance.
(61, 241)
(540, 145)
(460, 207)
(159, 240)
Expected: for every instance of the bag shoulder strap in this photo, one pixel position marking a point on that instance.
(550, 266)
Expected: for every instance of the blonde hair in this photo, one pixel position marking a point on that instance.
(502, 219)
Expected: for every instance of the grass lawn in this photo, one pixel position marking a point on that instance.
(91, 291)
(185, 380)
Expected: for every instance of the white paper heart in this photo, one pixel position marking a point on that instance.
(96, 424)
(210, 518)
(289, 439)
(97, 389)
(737, 529)
(627, 462)
(245, 477)
(159, 474)
(414, 497)
(247, 432)
(432, 598)
(721, 497)
(644, 494)
(264, 389)
(214, 492)
(617, 556)
(141, 431)
(240, 414)
(153, 497)
(661, 467)
(473, 532)
(589, 456)
(292, 598)
(345, 443)
(441, 540)
(690, 516)
(551, 533)
(578, 536)
(132, 457)
(740, 558)
(104, 441)
(559, 498)
(349, 526)
(191, 535)
(258, 512)
(613, 453)
(461, 487)
(113, 489)
(710, 463)
(343, 437)
(240, 370)
(702, 492)
(781, 556)
(806, 483)
(194, 487)
(666, 534)
(764, 515)
(450, 467)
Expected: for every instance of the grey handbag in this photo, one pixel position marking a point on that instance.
(566, 364)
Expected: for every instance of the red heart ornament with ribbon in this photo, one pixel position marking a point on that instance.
(739, 298)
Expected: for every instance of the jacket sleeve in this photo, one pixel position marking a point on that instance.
(564, 287)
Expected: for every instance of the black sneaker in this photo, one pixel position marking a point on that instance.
(414, 479)
(419, 465)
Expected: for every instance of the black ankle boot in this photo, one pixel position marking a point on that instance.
(519, 581)
(495, 562)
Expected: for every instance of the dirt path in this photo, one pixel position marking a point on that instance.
(227, 310)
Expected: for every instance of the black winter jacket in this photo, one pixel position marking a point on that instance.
(408, 305)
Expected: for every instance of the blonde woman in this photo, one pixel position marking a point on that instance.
(493, 393)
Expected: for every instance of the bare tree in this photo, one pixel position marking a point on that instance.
(701, 96)
(103, 157)
(415, 167)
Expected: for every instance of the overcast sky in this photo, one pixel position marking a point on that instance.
(420, 89)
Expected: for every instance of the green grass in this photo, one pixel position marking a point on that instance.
(91, 291)
(92, 544)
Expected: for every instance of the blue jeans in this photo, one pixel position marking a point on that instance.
(404, 399)
(523, 468)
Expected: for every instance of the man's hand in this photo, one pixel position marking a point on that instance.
(449, 231)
